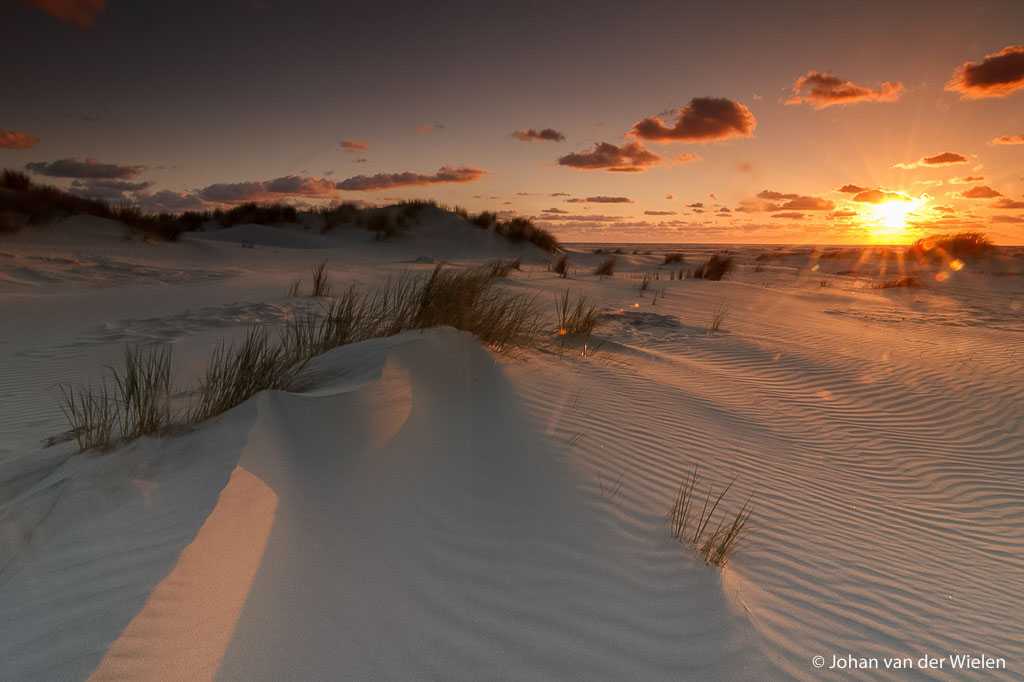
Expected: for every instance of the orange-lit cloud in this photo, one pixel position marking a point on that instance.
(79, 12)
(980, 192)
(554, 210)
(659, 212)
(298, 185)
(852, 189)
(878, 196)
(1009, 139)
(446, 174)
(943, 159)
(792, 215)
(1007, 202)
(546, 135)
(769, 200)
(824, 90)
(354, 146)
(842, 214)
(681, 159)
(1006, 219)
(90, 168)
(426, 127)
(12, 140)
(608, 200)
(965, 180)
(704, 119)
(997, 75)
(632, 157)
(268, 190)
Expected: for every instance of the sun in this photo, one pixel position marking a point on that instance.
(890, 220)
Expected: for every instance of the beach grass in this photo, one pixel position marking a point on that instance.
(686, 525)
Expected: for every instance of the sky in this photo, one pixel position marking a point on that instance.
(729, 122)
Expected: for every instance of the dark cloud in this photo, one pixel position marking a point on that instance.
(576, 200)
(546, 135)
(592, 218)
(659, 212)
(559, 194)
(980, 192)
(965, 180)
(769, 194)
(554, 210)
(878, 196)
(110, 185)
(354, 146)
(824, 90)
(1007, 202)
(233, 192)
(704, 119)
(809, 204)
(791, 215)
(943, 159)
(298, 185)
(724, 210)
(996, 76)
(1006, 219)
(697, 204)
(79, 12)
(446, 174)
(852, 189)
(632, 157)
(842, 214)
(90, 168)
(609, 200)
(12, 140)
(1009, 139)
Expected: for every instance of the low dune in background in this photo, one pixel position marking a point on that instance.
(429, 509)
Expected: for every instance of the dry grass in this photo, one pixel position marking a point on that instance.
(959, 245)
(293, 290)
(674, 258)
(524, 230)
(718, 545)
(561, 266)
(321, 285)
(607, 267)
(575, 318)
(92, 415)
(262, 214)
(715, 268)
(911, 281)
(718, 316)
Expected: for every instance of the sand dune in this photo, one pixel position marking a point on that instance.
(425, 509)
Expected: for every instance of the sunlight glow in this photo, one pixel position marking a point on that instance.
(890, 220)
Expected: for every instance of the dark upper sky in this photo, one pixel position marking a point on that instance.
(764, 109)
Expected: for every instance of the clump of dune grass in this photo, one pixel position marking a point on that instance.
(485, 220)
(262, 214)
(384, 225)
(959, 245)
(575, 317)
(93, 416)
(561, 266)
(911, 281)
(645, 283)
(718, 545)
(607, 267)
(346, 212)
(235, 373)
(293, 290)
(715, 268)
(321, 285)
(139, 404)
(673, 258)
(525, 230)
(12, 222)
(718, 316)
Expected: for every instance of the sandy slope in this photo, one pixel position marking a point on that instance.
(427, 510)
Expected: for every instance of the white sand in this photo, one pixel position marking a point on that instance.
(428, 510)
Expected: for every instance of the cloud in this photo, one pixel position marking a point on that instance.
(670, 197)
(852, 189)
(696, 204)
(546, 135)
(609, 200)
(824, 90)
(842, 214)
(90, 168)
(996, 76)
(172, 202)
(681, 159)
(704, 119)
(943, 209)
(268, 190)
(632, 157)
(109, 186)
(659, 212)
(79, 12)
(943, 159)
(559, 194)
(792, 215)
(1009, 139)
(554, 210)
(233, 192)
(744, 167)
(592, 218)
(366, 183)
(878, 196)
(354, 146)
(12, 140)
(980, 192)
(1006, 219)
(1007, 202)
(426, 127)
(298, 185)
(770, 200)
